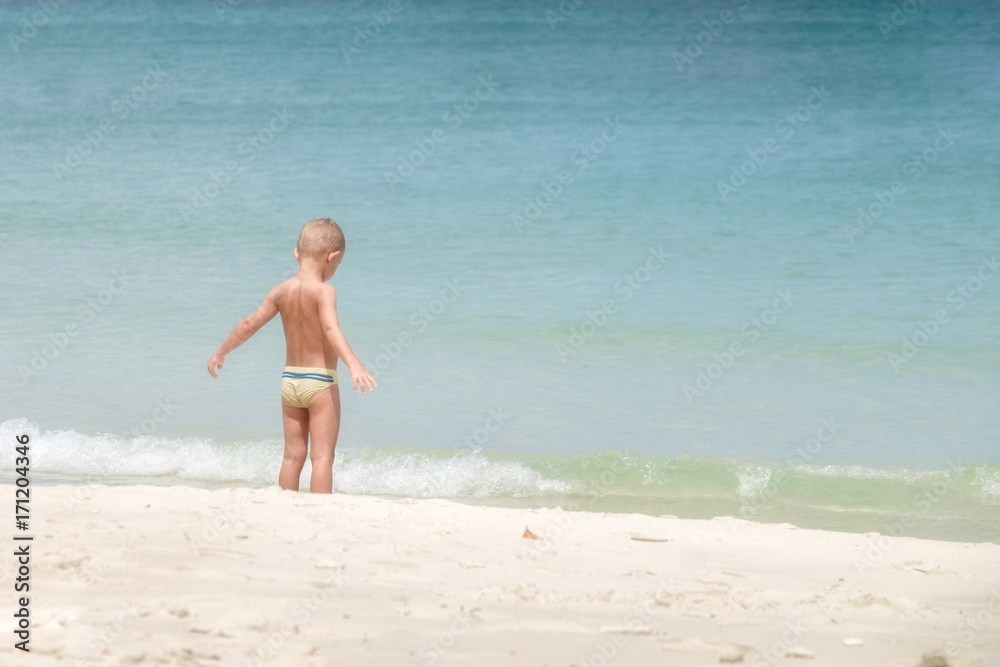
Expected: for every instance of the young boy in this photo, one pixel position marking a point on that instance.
(310, 398)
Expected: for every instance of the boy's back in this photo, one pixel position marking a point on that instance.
(304, 305)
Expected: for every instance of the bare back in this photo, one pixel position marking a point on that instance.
(300, 303)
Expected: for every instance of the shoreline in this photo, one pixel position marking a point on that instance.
(956, 503)
(920, 518)
(180, 575)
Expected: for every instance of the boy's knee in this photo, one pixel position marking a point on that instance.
(295, 456)
(320, 458)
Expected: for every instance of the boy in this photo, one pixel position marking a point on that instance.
(310, 398)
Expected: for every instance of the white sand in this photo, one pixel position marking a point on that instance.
(182, 576)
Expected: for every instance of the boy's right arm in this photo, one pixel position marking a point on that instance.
(243, 331)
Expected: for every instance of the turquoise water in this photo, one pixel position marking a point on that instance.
(648, 251)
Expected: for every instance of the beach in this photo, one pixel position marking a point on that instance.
(184, 576)
(702, 294)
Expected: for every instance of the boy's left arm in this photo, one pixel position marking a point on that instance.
(360, 377)
(243, 331)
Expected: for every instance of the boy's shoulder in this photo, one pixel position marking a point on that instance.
(295, 283)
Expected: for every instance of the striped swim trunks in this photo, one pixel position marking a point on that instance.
(300, 385)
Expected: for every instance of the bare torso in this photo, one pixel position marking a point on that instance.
(298, 302)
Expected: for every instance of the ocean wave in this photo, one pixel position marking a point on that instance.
(943, 503)
(95, 458)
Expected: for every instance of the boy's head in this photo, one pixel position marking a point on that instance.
(319, 238)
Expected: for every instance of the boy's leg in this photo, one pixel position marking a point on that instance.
(324, 425)
(296, 424)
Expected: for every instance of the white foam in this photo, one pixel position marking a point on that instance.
(753, 480)
(909, 476)
(989, 481)
(419, 476)
(102, 456)
(98, 457)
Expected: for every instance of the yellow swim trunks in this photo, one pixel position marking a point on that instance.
(299, 385)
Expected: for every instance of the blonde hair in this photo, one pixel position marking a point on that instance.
(321, 236)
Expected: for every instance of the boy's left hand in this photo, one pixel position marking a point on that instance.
(362, 379)
(213, 363)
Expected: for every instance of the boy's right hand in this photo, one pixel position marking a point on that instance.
(213, 363)
(362, 379)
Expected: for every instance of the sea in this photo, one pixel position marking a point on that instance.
(700, 259)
